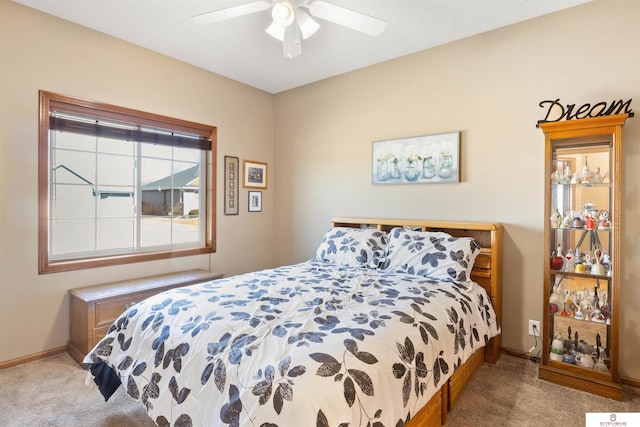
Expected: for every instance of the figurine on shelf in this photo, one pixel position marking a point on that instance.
(589, 223)
(568, 343)
(566, 222)
(577, 222)
(556, 219)
(575, 179)
(584, 359)
(600, 365)
(589, 209)
(598, 178)
(557, 349)
(566, 178)
(568, 349)
(584, 354)
(564, 312)
(578, 261)
(597, 267)
(556, 300)
(586, 304)
(596, 315)
(587, 176)
(568, 262)
(606, 261)
(555, 178)
(604, 223)
(557, 258)
(585, 348)
(587, 263)
(605, 309)
(572, 307)
(578, 314)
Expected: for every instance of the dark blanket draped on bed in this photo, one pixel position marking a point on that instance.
(105, 378)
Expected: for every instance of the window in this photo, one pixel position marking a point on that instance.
(118, 185)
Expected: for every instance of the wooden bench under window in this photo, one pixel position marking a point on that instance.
(95, 308)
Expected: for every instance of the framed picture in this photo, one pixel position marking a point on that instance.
(255, 174)
(255, 201)
(423, 159)
(231, 172)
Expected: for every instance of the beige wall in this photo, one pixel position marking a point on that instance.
(488, 87)
(38, 51)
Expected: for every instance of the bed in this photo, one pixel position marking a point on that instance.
(382, 327)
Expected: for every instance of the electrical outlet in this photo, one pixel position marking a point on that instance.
(536, 332)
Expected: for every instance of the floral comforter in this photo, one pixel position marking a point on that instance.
(310, 344)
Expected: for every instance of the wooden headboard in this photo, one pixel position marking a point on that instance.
(487, 269)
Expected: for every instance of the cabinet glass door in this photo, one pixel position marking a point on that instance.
(580, 267)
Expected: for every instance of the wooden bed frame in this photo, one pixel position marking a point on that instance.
(487, 272)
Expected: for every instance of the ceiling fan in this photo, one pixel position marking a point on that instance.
(292, 21)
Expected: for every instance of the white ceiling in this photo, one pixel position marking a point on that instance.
(241, 50)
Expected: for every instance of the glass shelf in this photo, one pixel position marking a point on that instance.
(577, 274)
(603, 230)
(582, 185)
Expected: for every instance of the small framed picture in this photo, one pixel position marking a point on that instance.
(255, 201)
(231, 166)
(255, 174)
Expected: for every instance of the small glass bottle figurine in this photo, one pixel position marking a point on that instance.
(568, 261)
(605, 309)
(596, 315)
(586, 304)
(556, 300)
(557, 258)
(556, 219)
(600, 365)
(566, 178)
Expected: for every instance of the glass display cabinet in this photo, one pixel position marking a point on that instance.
(582, 254)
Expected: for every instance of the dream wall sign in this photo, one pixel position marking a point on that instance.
(556, 111)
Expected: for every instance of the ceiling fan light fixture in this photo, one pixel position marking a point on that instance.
(283, 14)
(276, 31)
(308, 26)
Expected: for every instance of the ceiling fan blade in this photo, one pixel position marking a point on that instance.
(349, 18)
(231, 12)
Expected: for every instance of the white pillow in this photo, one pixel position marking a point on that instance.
(353, 247)
(436, 255)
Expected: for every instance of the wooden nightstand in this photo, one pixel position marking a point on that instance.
(94, 308)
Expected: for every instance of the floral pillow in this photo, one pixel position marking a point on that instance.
(353, 247)
(436, 255)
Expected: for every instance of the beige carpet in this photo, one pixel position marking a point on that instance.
(51, 392)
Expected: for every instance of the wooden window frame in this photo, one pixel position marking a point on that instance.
(49, 100)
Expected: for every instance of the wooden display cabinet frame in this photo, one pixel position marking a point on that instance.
(584, 133)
